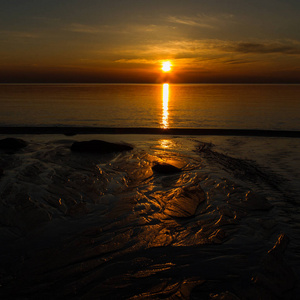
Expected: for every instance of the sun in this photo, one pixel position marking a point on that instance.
(166, 66)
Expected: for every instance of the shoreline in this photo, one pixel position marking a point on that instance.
(69, 130)
(81, 225)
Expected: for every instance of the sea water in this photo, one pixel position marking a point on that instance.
(239, 106)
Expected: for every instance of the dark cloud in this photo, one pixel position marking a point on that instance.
(261, 48)
(238, 61)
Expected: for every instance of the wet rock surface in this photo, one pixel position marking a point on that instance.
(275, 278)
(97, 146)
(91, 227)
(164, 168)
(251, 201)
(183, 203)
(23, 213)
(240, 168)
(12, 144)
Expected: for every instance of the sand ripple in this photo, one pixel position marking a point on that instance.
(88, 226)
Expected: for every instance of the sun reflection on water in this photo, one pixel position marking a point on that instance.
(165, 112)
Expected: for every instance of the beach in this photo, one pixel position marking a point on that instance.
(150, 150)
(89, 225)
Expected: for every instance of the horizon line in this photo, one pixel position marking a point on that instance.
(75, 130)
(117, 82)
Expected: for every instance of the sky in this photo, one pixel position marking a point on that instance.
(210, 41)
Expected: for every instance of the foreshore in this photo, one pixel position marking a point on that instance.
(69, 130)
(86, 224)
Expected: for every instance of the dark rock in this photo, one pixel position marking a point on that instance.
(97, 146)
(23, 213)
(12, 144)
(77, 209)
(183, 202)
(224, 296)
(280, 246)
(252, 201)
(165, 169)
(1, 172)
(275, 277)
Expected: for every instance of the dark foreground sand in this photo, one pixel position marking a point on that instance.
(106, 226)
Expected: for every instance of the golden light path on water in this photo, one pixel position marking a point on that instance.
(165, 112)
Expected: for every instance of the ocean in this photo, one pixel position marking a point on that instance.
(223, 224)
(275, 107)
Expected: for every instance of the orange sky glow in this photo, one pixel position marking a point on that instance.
(56, 41)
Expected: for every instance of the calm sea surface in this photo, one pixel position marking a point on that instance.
(275, 107)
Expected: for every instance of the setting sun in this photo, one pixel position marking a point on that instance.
(166, 66)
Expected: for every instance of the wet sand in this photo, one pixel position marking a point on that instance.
(90, 226)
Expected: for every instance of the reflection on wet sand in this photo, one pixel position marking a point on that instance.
(165, 144)
(165, 112)
(107, 227)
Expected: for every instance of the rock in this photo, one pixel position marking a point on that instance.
(78, 209)
(280, 246)
(183, 202)
(1, 172)
(252, 201)
(165, 169)
(97, 146)
(276, 277)
(12, 144)
(23, 213)
(224, 296)
(257, 202)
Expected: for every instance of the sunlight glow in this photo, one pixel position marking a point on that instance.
(166, 66)
(165, 113)
(166, 144)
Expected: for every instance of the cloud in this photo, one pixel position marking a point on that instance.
(81, 28)
(203, 53)
(188, 21)
(46, 20)
(19, 34)
(201, 20)
(156, 50)
(136, 61)
(114, 29)
(264, 48)
(238, 61)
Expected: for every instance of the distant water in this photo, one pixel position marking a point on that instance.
(275, 107)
